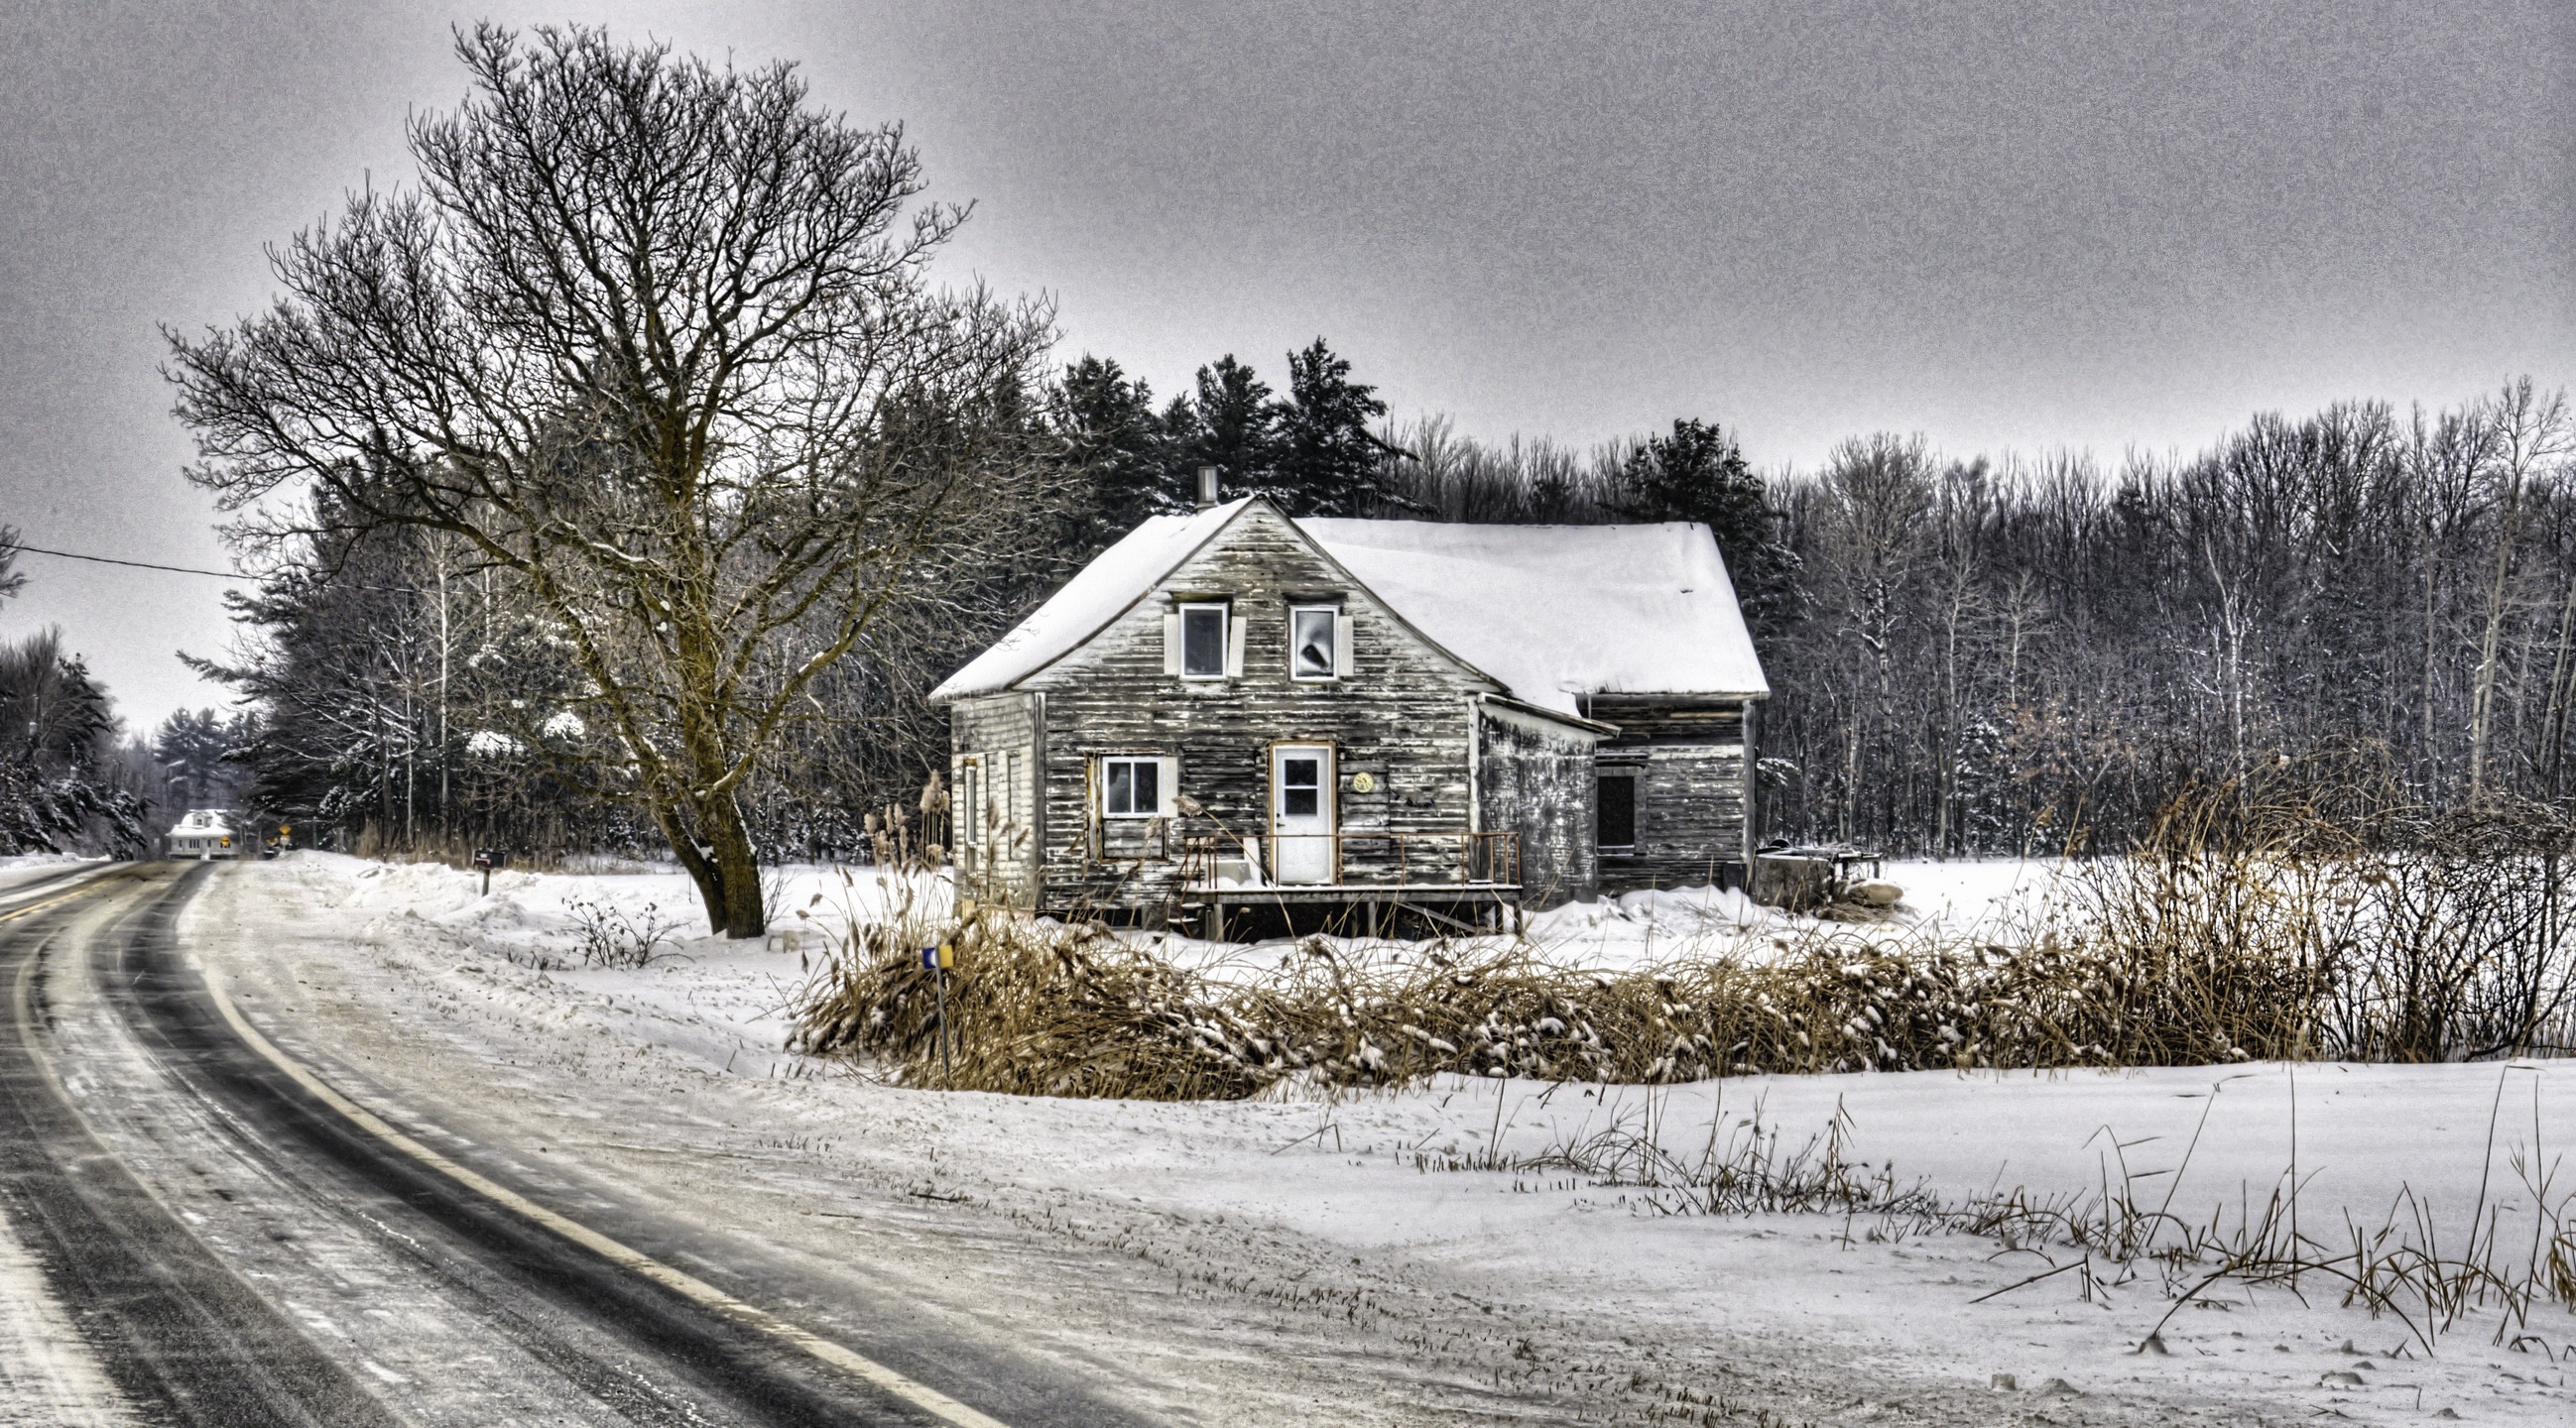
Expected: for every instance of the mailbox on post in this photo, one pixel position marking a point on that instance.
(938, 960)
(487, 859)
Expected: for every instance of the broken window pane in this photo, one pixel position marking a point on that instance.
(1311, 642)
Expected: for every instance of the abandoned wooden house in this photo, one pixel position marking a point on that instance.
(1234, 717)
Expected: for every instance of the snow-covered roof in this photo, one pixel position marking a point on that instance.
(1115, 579)
(1550, 612)
(203, 822)
(1558, 611)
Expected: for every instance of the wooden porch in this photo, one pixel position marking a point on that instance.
(1448, 882)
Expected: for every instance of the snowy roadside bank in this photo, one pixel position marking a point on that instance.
(38, 867)
(1308, 1258)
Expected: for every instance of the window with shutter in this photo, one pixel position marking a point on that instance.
(1203, 642)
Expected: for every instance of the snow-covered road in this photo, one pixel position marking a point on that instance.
(194, 1240)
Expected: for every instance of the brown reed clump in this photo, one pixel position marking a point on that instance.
(1046, 1010)
(2291, 922)
(1034, 1010)
(2253, 922)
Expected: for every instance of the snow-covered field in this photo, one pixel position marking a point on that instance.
(1313, 1256)
(1618, 932)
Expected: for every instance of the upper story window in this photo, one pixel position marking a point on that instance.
(1203, 641)
(1315, 642)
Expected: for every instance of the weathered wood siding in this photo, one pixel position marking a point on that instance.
(1401, 715)
(1534, 777)
(999, 842)
(1689, 757)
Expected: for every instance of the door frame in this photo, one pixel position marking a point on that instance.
(967, 845)
(1329, 785)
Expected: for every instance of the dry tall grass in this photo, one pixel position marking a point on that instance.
(1050, 1010)
(2254, 922)
(2512, 1256)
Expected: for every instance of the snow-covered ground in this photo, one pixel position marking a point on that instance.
(1632, 929)
(1622, 931)
(1313, 1256)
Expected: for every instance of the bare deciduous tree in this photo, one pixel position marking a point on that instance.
(2530, 431)
(656, 340)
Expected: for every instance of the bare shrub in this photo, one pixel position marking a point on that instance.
(609, 936)
(2465, 948)
(2309, 911)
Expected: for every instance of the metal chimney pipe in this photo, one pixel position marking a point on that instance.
(1207, 487)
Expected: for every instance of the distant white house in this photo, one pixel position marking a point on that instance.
(206, 833)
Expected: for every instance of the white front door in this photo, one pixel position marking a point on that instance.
(1301, 813)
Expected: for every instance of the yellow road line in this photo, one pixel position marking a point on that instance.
(922, 1396)
(87, 885)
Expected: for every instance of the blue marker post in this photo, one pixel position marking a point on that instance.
(939, 959)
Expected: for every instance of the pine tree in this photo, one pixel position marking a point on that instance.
(56, 727)
(1699, 474)
(191, 748)
(1113, 452)
(1328, 462)
(1232, 425)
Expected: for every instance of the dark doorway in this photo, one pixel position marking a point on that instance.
(1617, 802)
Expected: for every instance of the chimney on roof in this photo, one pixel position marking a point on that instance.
(1207, 487)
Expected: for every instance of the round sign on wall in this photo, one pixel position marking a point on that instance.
(1363, 782)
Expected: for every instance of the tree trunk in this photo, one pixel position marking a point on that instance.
(2490, 647)
(719, 857)
(2562, 683)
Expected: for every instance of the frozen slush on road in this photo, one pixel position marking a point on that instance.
(1462, 1248)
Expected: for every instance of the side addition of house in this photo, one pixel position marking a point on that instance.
(1234, 717)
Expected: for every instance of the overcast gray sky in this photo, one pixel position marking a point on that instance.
(1998, 224)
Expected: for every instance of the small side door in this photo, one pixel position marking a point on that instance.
(1301, 813)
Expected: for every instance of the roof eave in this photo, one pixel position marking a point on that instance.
(1677, 694)
(1559, 716)
(942, 694)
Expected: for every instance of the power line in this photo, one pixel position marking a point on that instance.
(234, 576)
(137, 564)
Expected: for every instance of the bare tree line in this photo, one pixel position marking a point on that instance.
(2033, 653)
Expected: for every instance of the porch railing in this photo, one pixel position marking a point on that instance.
(1357, 860)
